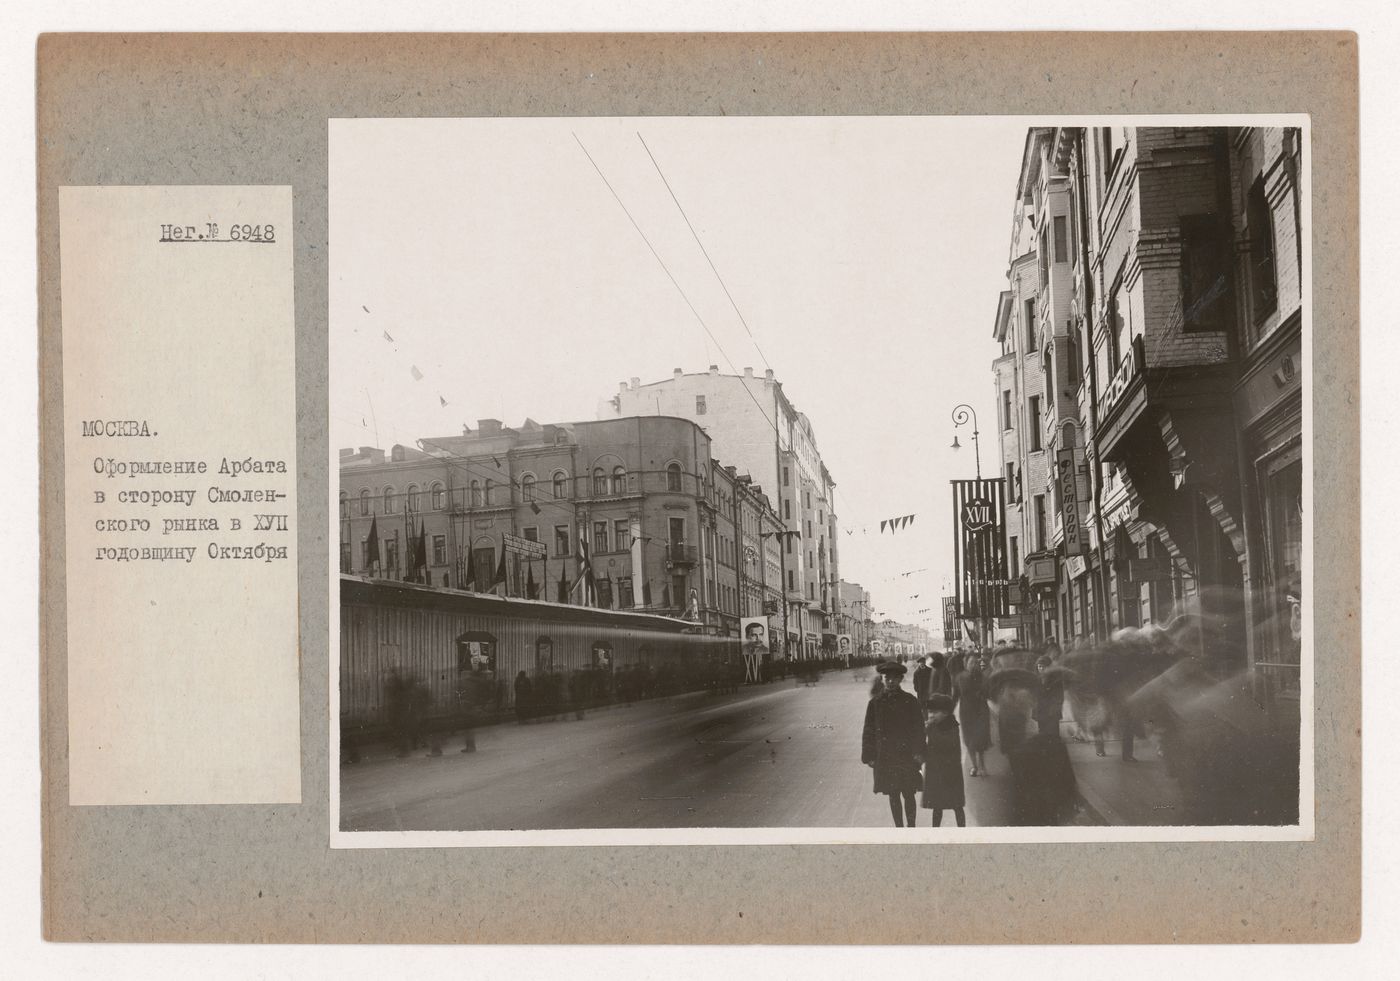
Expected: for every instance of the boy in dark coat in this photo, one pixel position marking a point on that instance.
(893, 743)
(943, 782)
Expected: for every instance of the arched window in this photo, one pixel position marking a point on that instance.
(673, 477)
(388, 500)
(600, 482)
(413, 497)
(490, 489)
(476, 494)
(344, 504)
(561, 485)
(438, 497)
(364, 503)
(619, 480)
(527, 488)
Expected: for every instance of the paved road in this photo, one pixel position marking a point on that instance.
(778, 755)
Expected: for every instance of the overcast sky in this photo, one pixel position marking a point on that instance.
(866, 255)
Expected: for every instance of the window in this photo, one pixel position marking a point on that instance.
(600, 482)
(388, 500)
(677, 529)
(699, 405)
(787, 475)
(1040, 522)
(604, 589)
(790, 580)
(787, 510)
(1050, 382)
(561, 540)
(476, 494)
(439, 550)
(1262, 273)
(391, 551)
(1011, 488)
(710, 592)
(673, 477)
(561, 485)
(619, 480)
(1035, 424)
(1015, 557)
(438, 498)
(527, 488)
(789, 544)
(364, 545)
(809, 529)
(490, 492)
(1203, 273)
(345, 557)
(625, 599)
(1031, 343)
(1076, 370)
(622, 535)
(1006, 408)
(344, 504)
(484, 565)
(600, 536)
(1061, 239)
(532, 534)
(364, 503)
(413, 498)
(811, 591)
(807, 499)
(1118, 327)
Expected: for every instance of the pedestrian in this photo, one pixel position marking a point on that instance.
(1049, 699)
(939, 679)
(524, 697)
(973, 714)
(892, 743)
(943, 782)
(923, 674)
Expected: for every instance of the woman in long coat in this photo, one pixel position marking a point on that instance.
(973, 713)
(943, 782)
(893, 743)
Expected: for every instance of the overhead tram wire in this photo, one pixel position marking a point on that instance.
(695, 235)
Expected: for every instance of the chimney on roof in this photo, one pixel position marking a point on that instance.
(622, 386)
(635, 382)
(714, 369)
(488, 426)
(768, 374)
(748, 372)
(677, 373)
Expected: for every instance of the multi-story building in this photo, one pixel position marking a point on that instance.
(754, 425)
(854, 615)
(1168, 307)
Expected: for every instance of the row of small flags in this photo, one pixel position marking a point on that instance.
(895, 524)
(470, 579)
(413, 368)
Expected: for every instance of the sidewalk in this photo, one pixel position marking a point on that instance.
(1118, 792)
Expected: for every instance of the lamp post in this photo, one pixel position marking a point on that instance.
(782, 537)
(960, 416)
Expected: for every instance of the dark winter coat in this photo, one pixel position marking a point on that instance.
(893, 741)
(922, 675)
(943, 781)
(973, 713)
(1049, 706)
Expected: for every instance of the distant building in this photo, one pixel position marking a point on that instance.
(854, 616)
(756, 427)
(643, 497)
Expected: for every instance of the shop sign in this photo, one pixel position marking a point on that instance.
(1074, 566)
(1155, 569)
(1065, 475)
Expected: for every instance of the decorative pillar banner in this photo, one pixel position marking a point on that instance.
(979, 548)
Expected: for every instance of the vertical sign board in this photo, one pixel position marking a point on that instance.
(950, 620)
(1066, 479)
(979, 547)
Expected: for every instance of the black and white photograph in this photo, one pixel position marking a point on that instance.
(820, 479)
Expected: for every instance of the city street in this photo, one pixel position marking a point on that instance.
(779, 755)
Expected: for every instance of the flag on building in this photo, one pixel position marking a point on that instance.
(499, 579)
(372, 545)
(531, 590)
(584, 584)
(420, 551)
(468, 579)
(563, 593)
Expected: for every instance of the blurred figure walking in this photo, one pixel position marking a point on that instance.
(943, 781)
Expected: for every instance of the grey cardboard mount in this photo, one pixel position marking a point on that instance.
(253, 109)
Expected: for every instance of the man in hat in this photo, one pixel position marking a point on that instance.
(923, 674)
(892, 743)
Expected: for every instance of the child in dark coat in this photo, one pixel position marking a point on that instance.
(943, 781)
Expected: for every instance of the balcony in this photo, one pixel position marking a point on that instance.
(687, 555)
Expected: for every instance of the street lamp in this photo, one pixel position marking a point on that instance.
(960, 417)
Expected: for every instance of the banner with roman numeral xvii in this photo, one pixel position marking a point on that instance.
(979, 547)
